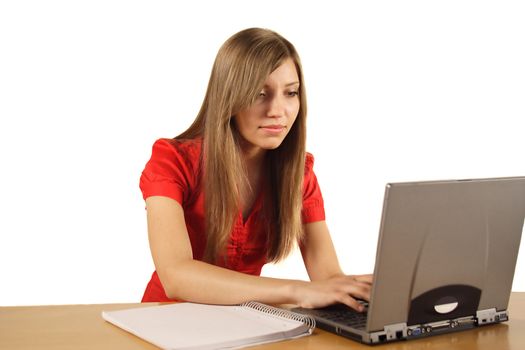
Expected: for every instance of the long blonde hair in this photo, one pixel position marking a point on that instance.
(241, 67)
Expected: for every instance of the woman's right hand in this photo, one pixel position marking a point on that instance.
(342, 289)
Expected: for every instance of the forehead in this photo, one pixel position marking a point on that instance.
(284, 74)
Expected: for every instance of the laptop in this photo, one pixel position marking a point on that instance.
(445, 261)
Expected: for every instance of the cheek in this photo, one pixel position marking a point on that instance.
(293, 110)
(245, 125)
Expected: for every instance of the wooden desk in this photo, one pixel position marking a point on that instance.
(82, 327)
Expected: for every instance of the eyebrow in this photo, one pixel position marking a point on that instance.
(287, 85)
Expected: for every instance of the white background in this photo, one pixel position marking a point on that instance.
(397, 91)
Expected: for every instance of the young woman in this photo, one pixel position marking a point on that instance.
(237, 189)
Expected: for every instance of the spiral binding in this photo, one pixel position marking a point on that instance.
(275, 311)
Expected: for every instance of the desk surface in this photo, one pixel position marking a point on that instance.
(82, 327)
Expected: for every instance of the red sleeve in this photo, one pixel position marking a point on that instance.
(167, 173)
(313, 205)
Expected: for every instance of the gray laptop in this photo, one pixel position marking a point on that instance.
(445, 261)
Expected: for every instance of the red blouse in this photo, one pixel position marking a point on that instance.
(173, 171)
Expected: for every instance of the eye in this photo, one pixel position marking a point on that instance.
(293, 93)
(261, 94)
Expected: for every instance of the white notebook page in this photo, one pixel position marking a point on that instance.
(199, 326)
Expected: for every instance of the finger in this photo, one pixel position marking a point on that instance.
(351, 302)
(359, 290)
(364, 278)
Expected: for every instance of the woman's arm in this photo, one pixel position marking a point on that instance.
(185, 278)
(318, 252)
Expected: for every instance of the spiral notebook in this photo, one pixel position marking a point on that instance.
(200, 326)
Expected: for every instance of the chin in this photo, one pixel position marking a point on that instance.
(269, 145)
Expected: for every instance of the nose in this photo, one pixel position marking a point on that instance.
(276, 107)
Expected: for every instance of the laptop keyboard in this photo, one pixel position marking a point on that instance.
(341, 314)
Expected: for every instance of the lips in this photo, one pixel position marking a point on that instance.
(273, 130)
(273, 127)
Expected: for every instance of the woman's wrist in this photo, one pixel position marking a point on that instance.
(293, 291)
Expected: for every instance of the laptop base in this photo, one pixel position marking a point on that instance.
(403, 332)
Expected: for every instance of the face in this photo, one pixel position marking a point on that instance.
(264, 125)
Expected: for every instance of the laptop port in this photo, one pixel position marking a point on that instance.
(399, 334)
(382, 337)
(414, 332)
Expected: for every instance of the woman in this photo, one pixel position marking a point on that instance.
(237, 189)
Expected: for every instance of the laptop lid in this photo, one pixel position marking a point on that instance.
(445, 260)
(445, 243)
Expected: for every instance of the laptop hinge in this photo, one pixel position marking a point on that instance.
(491, 316)
(395, 331)
(389, 333)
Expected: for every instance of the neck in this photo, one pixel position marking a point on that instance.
(253, 156)
(254, 160)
